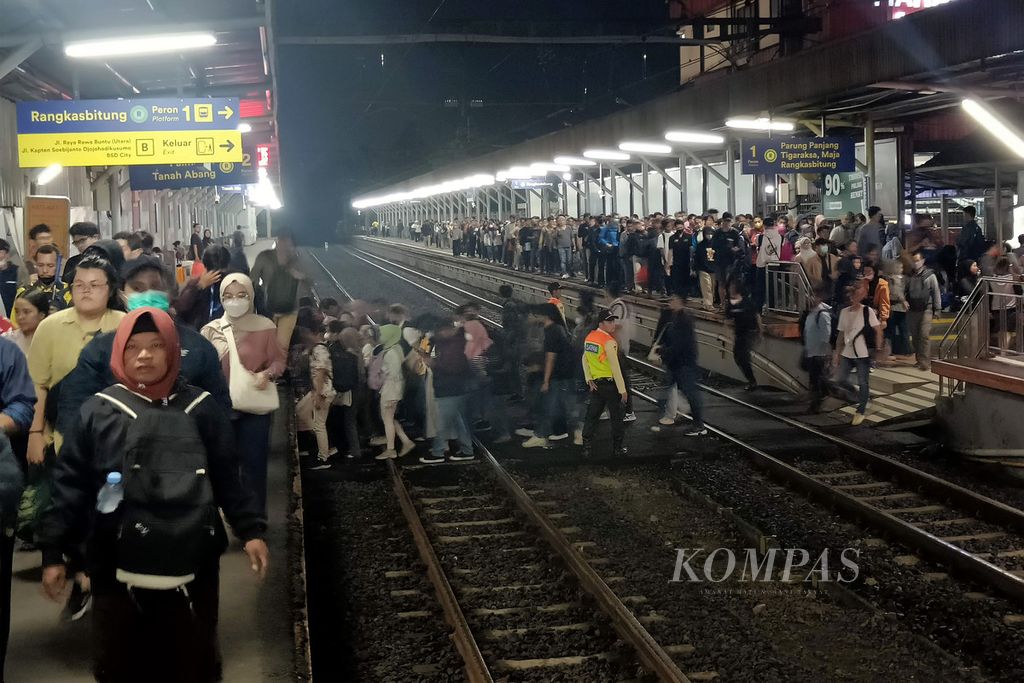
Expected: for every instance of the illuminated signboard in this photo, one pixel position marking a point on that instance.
(262, 156)
(901, 8)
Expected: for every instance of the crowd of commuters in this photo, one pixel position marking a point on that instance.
(134, 416)
(896, 280)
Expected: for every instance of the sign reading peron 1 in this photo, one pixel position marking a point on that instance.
(798, 155)
(128, 132)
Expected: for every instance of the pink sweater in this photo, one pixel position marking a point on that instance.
(258, 351)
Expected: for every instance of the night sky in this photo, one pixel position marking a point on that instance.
(349, 124)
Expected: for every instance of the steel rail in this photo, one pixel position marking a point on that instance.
(462, 635)
(651, 654)
(913, 536)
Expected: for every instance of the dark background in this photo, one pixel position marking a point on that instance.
(349, 124)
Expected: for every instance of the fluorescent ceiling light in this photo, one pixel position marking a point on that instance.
(574, 161)
(139, 45)
(606, 155)
(244, 128)
(48, 174)
(567, 176)
(645, 147)
(694, 137)
(762, 123)
(983, 115)
(542, 168)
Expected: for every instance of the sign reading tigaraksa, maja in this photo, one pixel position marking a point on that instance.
(798, 155)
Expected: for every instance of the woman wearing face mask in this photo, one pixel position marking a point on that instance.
(255, 339)
(31, 308)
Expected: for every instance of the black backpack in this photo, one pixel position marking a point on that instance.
(168, 524)
(344, 368)
(869, 339)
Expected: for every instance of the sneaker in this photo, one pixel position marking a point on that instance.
(565, 276)
(378, 441)
(389, 454)
(332, 451)
(697, 430)
(667, 421)
(78, 603)
(577, 438)
(605, 415)
(525, 433)
(350, 456)
(321, 463)
(858, 418)
(481, 426)
(629, 417)
(558, 437)
(461, 457)
(502, 439)
(535, 442)
(431, 459)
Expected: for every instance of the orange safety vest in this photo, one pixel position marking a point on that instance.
(596, 355)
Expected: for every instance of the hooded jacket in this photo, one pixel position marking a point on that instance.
(96, 445)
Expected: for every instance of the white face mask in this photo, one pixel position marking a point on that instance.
(236, 308)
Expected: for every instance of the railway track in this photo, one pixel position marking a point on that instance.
(977, 537)
(520, 593)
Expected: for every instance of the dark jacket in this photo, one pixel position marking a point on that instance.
(450, 366)
(743, 315)
(728, 247)
(200, 367)
(971, 242)
(513, 319)
(679, 342)
(196, 306)
(9, 286)
(95, 447)
(239, 263)
(17, 392)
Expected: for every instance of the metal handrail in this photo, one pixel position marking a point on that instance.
(787, 288)
(961, 321)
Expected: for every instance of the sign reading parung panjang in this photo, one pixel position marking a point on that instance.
(798, 155)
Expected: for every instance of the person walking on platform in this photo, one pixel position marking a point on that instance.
(859, 332)
(621, 309)
(153, 528)
(680, 247)
(558, 390)
(924, 300)
(513, 322)
(740, 310)
(606, 382)
(554, 290)
(276, 271)
(815, 330)
(704, 264)
(607, 242)
(679, 354)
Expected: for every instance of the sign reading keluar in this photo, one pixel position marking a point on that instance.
(128, 132)
(798, 155)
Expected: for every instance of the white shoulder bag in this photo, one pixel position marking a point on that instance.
(245, 397)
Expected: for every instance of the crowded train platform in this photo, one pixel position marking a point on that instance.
(579, 341)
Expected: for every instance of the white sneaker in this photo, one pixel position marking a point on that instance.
(629, 417)
(605, 415)
(525, 433)
(667, 421)
(535, 442)
(565, 277)
(577, 438)
(558, 437)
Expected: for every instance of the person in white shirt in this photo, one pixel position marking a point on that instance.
(856, 322)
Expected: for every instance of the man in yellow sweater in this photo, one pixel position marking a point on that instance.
(606, 383)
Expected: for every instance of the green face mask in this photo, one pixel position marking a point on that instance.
(153, 298)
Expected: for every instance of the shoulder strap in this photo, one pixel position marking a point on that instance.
(118, 403)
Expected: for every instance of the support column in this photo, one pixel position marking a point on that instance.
(869, 157)
(730, 161)
(997, 204)
(645, 184)
(115, 203)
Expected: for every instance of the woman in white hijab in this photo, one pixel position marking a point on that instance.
(253, 340)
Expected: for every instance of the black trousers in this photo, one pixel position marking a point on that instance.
(606, 397)
(592, 264)
(741, 349)
(156, 635)
(817, 373)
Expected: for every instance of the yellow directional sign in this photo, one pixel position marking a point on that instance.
(37, 150)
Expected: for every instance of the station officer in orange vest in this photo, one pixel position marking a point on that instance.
(606, 382)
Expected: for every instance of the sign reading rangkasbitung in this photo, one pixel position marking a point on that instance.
(798, 155)
(128, 132)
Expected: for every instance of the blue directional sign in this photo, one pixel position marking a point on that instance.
(178, 176)
(127, 116)
(798, 155)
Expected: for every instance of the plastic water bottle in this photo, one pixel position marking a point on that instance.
(110, 495)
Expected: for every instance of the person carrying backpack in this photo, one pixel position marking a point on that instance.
(156, 535)
(815, 331)
(924, 300)
(859, 333)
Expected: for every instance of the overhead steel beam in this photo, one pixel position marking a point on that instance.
(11, 61)
(979, 91)
(60, 37)
(409, 38)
